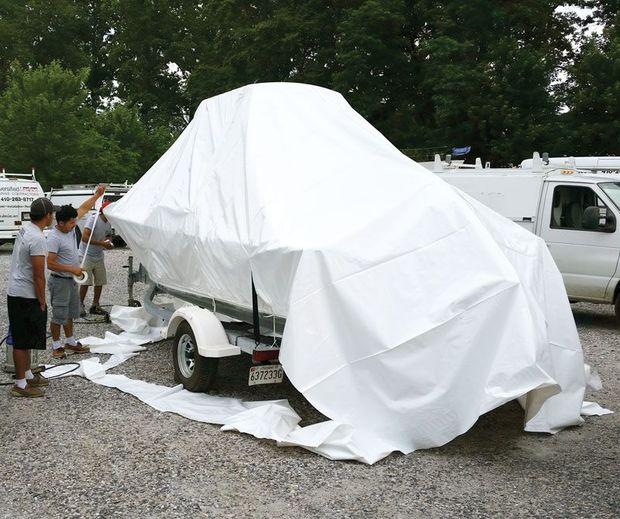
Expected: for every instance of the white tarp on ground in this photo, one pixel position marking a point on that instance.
(273, 420)
(411, 309)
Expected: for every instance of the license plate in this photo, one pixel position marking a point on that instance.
(271, 374)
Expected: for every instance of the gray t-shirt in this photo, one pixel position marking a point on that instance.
(29, 241)
(101, 232)
(64, 245)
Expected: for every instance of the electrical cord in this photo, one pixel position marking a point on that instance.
(43, 368)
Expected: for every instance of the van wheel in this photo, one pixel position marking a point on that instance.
(196, 373)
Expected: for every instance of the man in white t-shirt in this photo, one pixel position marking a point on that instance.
(26, 298)
(96, 238)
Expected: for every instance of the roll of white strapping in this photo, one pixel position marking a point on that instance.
(80, 280)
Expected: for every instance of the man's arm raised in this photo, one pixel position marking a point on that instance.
(90, 202)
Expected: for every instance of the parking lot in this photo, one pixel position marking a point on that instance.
(88, 451)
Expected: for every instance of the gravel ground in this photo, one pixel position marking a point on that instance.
(90, 451)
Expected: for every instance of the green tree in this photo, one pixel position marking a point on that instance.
(131, 147)
(143, 54)
(72, 32)
(236, 43)
(484, 74)
(593, 96)
(373, 68)
(47, 121)
(427, 73)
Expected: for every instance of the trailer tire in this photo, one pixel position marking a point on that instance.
(196, 373)
(617, 308)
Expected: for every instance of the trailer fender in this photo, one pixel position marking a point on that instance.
(211, 338)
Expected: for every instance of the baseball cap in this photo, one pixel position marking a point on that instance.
(42, 206)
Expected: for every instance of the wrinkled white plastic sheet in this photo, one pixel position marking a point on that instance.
(410, 308)
(272, 420)
(138, 328)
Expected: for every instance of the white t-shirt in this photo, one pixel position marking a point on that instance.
(29, 242)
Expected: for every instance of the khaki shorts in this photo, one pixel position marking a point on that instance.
(96, 273)
(64, 297)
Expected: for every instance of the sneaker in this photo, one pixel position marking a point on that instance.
(38, 381)
(59, 353)
(78, 348)
(97, 310)
(28, 392)
(82, 310)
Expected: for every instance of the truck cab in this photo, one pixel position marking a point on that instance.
(579, 216)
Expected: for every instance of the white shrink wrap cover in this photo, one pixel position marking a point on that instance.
(410, 308)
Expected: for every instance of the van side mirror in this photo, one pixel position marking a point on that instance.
(610, 221)
(598, 219)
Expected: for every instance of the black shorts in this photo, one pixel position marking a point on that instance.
(28, 323)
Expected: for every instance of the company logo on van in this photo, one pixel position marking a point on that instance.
(32, 189)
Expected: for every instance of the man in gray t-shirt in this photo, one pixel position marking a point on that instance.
(63, 262)
(30, 241)
(101, 231)
(95, 240)
(26, 298)
(64, 246)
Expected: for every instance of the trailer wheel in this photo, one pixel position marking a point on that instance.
(196, 373)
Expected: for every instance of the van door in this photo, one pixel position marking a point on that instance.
(579, 224)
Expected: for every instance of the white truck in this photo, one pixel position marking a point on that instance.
(17, 192)
(576, 213)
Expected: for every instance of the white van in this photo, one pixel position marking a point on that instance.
(576, 213)
(77, 194)
(17, 192)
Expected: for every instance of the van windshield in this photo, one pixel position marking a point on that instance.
(612, 190)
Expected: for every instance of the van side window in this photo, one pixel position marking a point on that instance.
(579, 208)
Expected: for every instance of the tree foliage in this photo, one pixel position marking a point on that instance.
(594, 93)
(119, 79)
(47, 122)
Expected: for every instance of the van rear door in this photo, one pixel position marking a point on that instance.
(15, 199)
(580, 226)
